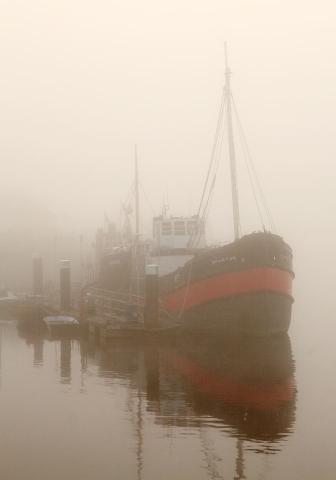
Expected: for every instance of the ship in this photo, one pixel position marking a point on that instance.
(242, 287)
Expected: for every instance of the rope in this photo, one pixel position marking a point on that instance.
(214, 160)
(146, 198)
(214, 148)
(253, 170)
(251, 180)
(211, 190)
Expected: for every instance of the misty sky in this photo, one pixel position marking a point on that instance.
(82, 81)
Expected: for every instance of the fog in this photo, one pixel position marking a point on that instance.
(82, 82)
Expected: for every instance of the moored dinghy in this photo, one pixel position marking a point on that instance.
(61, 325)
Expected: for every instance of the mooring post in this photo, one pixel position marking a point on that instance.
(65, 285)
(37, 275)
(151, 313)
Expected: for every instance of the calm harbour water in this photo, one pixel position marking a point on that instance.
(70, 409)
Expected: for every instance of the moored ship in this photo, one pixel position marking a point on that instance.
(243, 287)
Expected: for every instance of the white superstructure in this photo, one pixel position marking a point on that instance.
(178, 232)
(175, 241)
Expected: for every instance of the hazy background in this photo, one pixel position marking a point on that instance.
(82, 81)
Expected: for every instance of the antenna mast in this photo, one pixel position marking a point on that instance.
(232, 153)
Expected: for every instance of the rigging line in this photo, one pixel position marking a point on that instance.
(262, 195)
(214, 147)
(220, 151)
(204, 216)
(211, 189)
(130, 193)
(146, 197)
(253, 187)
(194, 237)
(252, 177)
(215, 157)
(205, 212)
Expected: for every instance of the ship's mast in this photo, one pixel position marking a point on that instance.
(232, 153)
(136, 259)
(137, 226)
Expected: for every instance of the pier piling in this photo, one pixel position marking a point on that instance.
(151, 313)
(65, 285)
(37, 275)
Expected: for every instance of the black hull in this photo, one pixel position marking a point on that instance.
(258, 314)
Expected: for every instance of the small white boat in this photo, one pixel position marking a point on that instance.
(61, 324)
(7, 297)
(8, 303)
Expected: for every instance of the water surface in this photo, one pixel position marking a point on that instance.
(193, 409)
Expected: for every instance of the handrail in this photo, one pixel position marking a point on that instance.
(109, 297)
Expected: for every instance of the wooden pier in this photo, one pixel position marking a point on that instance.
(117, 315)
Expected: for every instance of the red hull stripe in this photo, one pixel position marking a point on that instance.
(228, 284)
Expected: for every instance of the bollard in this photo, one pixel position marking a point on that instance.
(151, 313)
(65, 285)
(37, 275)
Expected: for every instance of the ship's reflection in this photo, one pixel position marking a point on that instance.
(245, 386)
